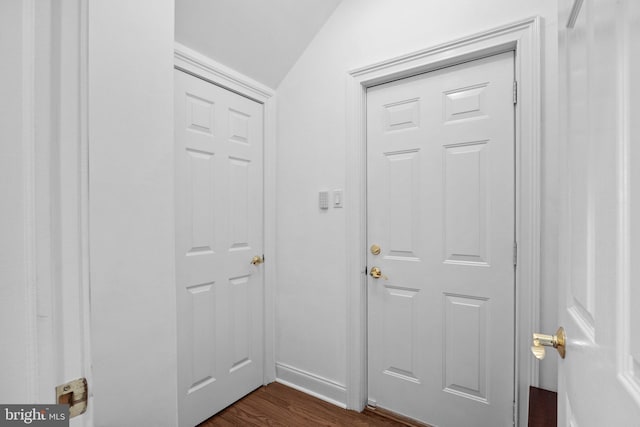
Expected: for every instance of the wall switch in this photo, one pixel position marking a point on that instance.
(338, 198)
(323, 200)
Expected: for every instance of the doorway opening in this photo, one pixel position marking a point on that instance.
(523, 38)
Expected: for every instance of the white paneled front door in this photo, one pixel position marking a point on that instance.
(219, 229)
(599, 288)
(441, 200)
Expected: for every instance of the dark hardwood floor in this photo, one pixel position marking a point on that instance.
(278, 405)
(543, 408)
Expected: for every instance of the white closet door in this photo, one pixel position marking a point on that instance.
(219, 229)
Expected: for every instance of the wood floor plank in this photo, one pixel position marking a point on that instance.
(277, 405)
(383, 413)
(267, 410)
(543, 408)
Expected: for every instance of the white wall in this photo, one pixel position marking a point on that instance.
(311, 320)
(274, 32)
(14, 313)
(131, 212)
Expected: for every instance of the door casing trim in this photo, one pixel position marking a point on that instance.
(56, 194)
(193, 62)
(522, 37)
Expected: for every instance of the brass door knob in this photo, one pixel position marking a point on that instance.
(257, 260)
(557, 341)
(376, 273)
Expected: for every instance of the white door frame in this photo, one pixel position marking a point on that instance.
(56, 222)
(195, 63)
(523, 37)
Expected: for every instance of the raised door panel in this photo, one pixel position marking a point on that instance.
(464, 347)
(400, 333)
(402, 174)
(239, 203)
(199, 114)
(403, 114)
(201, 306)
(200, 199)
(465, 103)
(466, 227)
(241, 323)
(581, 149)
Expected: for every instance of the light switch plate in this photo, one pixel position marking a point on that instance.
(338, 198)
(323, 200)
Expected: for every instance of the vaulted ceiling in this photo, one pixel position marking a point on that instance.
(259, 38)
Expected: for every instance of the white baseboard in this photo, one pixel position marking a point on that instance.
(315, 385)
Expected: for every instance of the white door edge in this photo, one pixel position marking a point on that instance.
(523, 37)
(193, 62)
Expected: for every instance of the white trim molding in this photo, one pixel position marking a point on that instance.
(575, 11)
(199, 65)
(29, 201)
(522, 37)
(193, 62)
(55, 191)
(627, 374)
(312, 384)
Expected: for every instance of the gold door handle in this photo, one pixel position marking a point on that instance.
(257, 260)
(557, 341)
(376, 273)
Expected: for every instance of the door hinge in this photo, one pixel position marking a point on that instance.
(75, 394)
(515, 92)
(515, 254)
